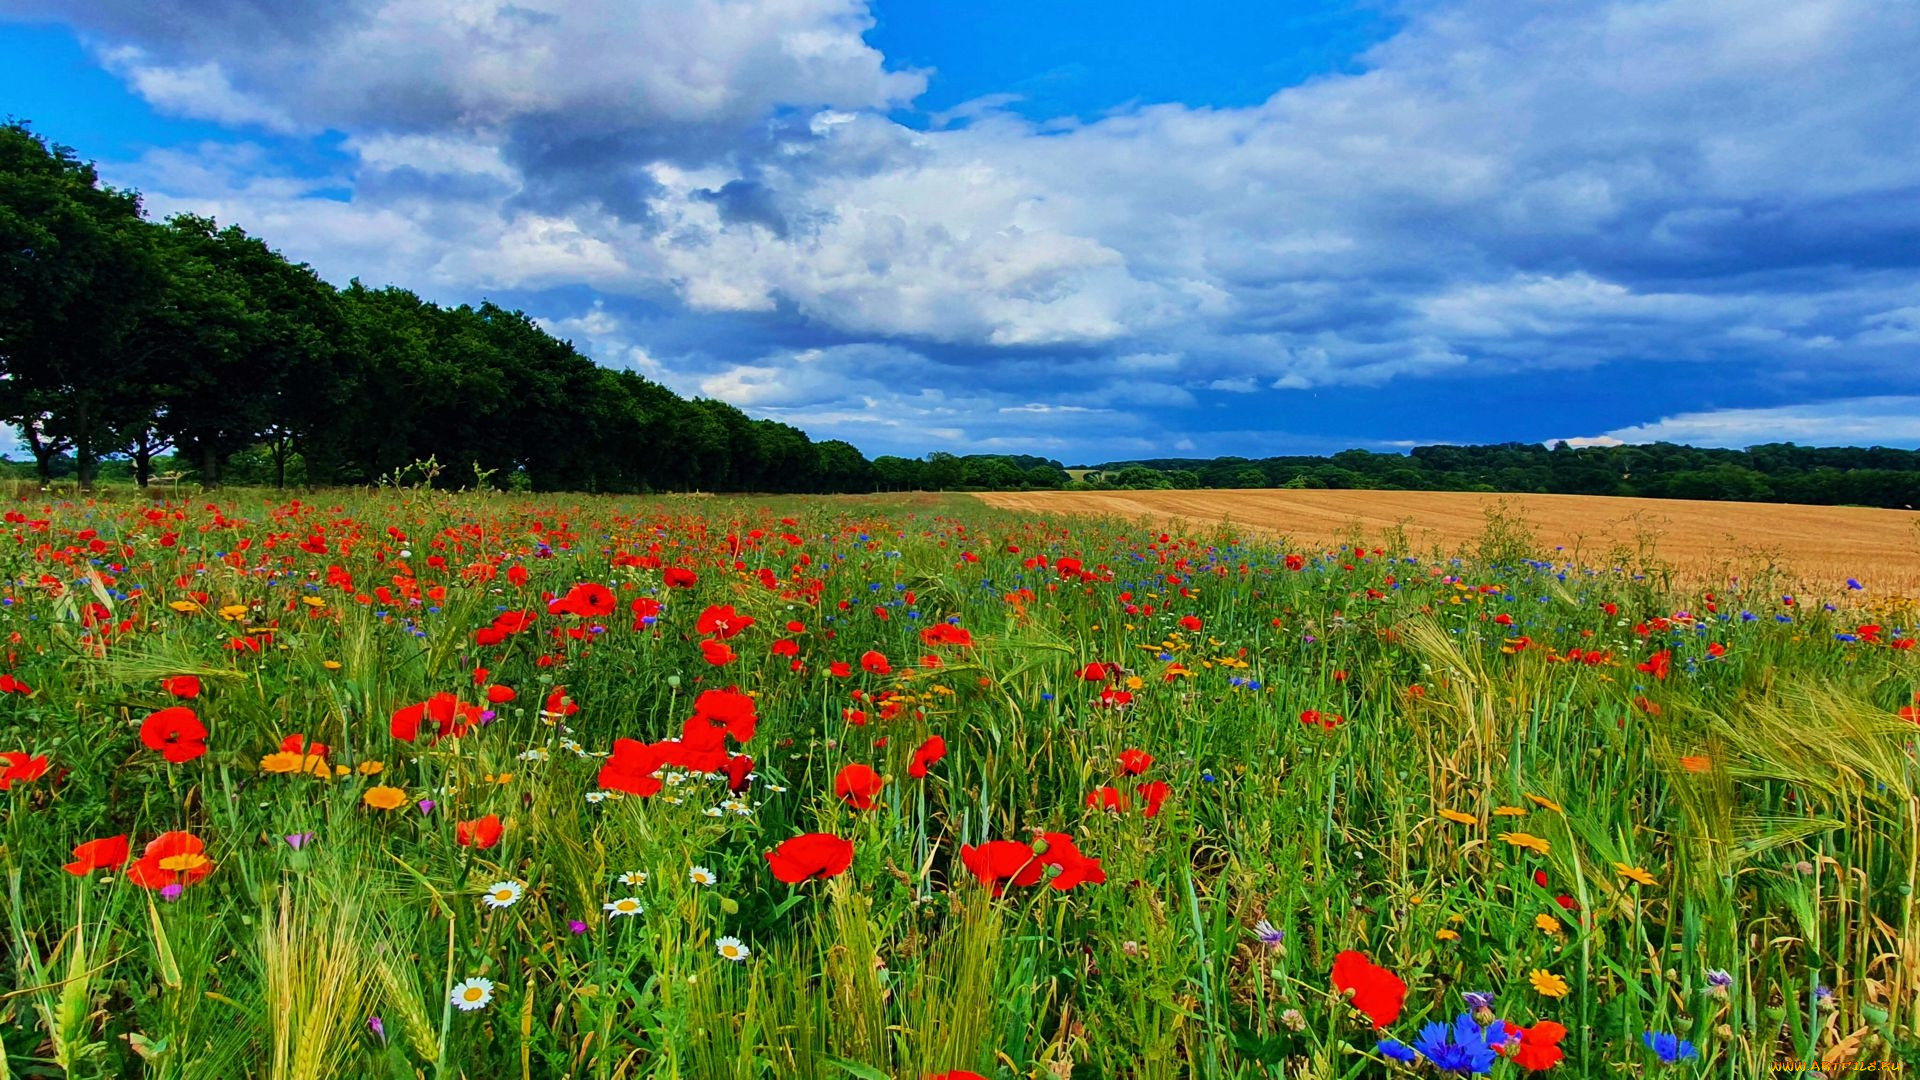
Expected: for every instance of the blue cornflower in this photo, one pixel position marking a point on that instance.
(1466, 1048)
(1852, 584)
(1397, 1050)
(1478, 999)
(1668, 1047)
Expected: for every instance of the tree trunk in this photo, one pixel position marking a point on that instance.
(142, 455)
(280, 463)
(42, 453)
(83, 445)
(209, 465)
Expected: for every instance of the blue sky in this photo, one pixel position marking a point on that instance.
(1166, 230)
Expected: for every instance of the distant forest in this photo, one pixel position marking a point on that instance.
(132, 349)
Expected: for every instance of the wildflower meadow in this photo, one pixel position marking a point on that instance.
(412, 783)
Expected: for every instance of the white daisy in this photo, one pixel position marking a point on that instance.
(732, 948)
(472, 994)
(504, 894)
(672, 800)
(596, 796)
(538, 753)
(700, 875)
(626, 905)
(713, 811)
(775, 788)
(633, 877)
(674, 779)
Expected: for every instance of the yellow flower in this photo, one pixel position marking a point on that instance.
(384, 797)
(1547, 924)
(503, 778)
(184, 607)
(1544, 804)
(1455, 815)
(330, 665)
(372, 768)
(1526, 840)
(1446, 935)
(289, 761)
(1509, 811)
(314, 601)
(1547, 984)
(233, 611)
(1135, 682)
(1635, 874)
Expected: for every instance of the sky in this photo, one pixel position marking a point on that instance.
(1160, 230)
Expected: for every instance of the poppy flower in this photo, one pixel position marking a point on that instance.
(11, 685)
(1657, 665)
(448, 714)
(588, 599)
(955, 1074)
(558, 703)
(482, 833)
(679, 577)
(926, 756)
(721, 621)
(176, 733)
(1152, 794)
(1191, 623)
(1073, 866)
(717, 653)
(172, 858)
(875, 663)
(644, 608)
(738, 767)
(809, 857)
(21, 768)
(630, 768)
(858, 785)
(1106, 798)
(946, 634)
(109, 853)
(1094, 673)
(840, 669)
(181, 686)
(730, 709)
(499, 695)
(1134, 762)
(1374, 990)
(999, 862)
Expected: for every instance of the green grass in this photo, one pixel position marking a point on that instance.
(1770, 791)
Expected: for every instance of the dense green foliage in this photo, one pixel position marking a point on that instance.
(1773, 472)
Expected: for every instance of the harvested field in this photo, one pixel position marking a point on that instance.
(1817, 547)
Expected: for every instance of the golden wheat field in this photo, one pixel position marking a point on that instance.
(1817, 546)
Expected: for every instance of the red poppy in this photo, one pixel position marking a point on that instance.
(946, 634)
(785, 647)
(109, 853)
(810, 856)
(730, 709)
(1296, 562)
(875, 663)
(559, 704)
(679, 577)
(1153, 793)
(449, 715)
(1373, 989)
(11, 685)
(181, 686)
(955, 1074)
(1910, 713)
(1074, 867)
(20, 768)
(1657, 665)
(298, 743)
(172, 858)
(516, 575)
(840, 669)
(630, 768)
(499, 695)
(588, 599)
(1094, 673)
(738, 767)
(717, 653)
(858, 785)
(1135, 762)
(644, 608)
(998, 862)
(721, 621)
(1538, 1047)
(481, 833)
(176, 733)
(926, 756)
(1106, 798)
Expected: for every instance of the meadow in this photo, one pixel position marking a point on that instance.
(410, 783)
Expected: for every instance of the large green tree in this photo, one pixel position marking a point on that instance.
(76, 269)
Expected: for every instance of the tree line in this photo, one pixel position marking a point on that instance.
(184, 347)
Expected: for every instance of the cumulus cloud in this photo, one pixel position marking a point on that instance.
(1493, 193)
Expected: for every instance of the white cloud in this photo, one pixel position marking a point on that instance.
(1862, 421)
